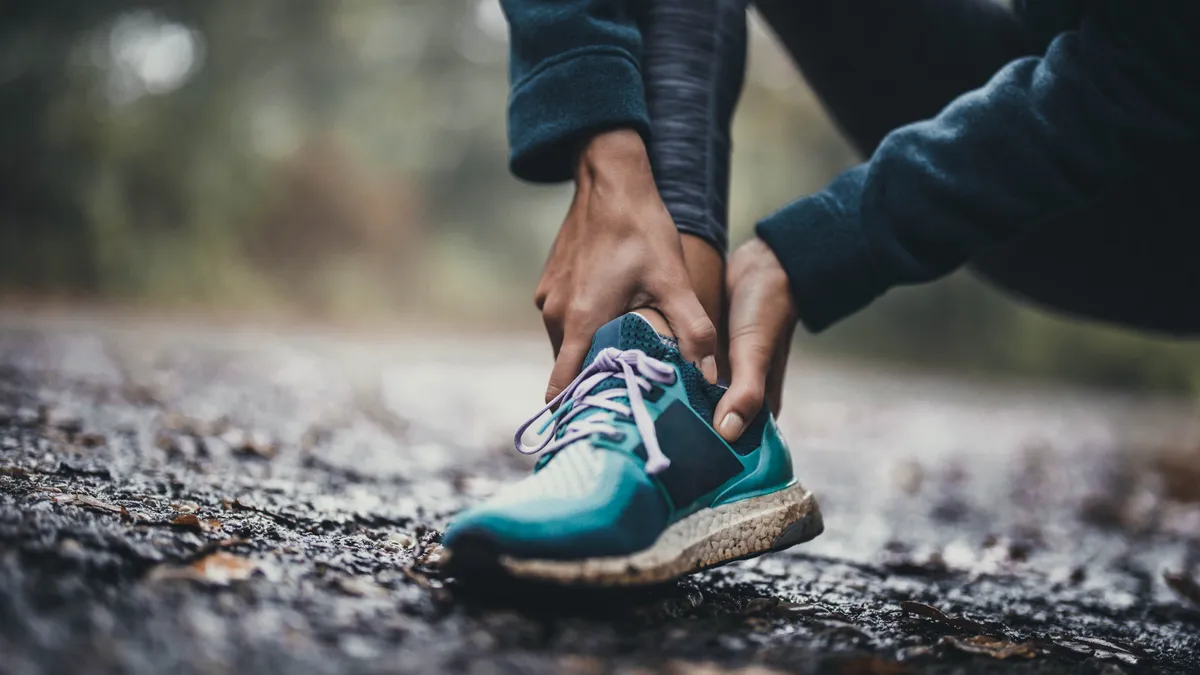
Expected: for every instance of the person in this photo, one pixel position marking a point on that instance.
(1047, 146)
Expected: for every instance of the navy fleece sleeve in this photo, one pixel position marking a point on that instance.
(1116, 100)
(574, 70)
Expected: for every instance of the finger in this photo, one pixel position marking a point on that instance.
(695, 332)
(749, 361)
(554, 327)
(568, 363)
(756, 327)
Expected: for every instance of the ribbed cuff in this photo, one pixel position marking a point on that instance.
(828, 262)
(577, 95)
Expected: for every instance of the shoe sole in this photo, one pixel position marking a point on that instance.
(708, 538)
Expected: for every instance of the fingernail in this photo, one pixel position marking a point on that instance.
(708, 366)
(731, 426)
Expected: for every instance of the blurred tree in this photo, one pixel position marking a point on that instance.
(348, 158)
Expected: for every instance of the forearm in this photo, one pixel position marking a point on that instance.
(1046, 137)
(575, 71)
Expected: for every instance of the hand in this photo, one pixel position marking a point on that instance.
(762, 318)
(617, 250)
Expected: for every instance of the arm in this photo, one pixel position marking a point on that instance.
(1107, 104)
(577, 109)
(575, 71)
(1111, 103)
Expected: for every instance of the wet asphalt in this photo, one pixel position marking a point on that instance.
(196, 499)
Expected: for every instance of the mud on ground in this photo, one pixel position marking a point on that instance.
(194, 500)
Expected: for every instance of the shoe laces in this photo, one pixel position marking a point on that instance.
(638, 370)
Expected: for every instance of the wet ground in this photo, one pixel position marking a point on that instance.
(191, 499)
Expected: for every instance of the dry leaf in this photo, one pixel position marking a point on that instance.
(989, 646)
(90, 503)
(189, 520)
(218, 569)
(930, 612)
(222, 568)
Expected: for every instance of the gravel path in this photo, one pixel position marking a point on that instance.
(189, 499)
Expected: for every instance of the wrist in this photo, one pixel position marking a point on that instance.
(765, 265)
(617, 153)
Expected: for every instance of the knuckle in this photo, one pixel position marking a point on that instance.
(553, 309)
(581, 309)
(702, 330)
(751, 394)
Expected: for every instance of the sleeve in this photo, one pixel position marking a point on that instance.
(1115, 101)
(574, 70)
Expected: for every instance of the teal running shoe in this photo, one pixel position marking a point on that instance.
(634, 486)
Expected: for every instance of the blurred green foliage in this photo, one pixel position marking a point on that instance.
(346, 160)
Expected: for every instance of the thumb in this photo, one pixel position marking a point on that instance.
(759, 322)
(749, 361)
(695, 332)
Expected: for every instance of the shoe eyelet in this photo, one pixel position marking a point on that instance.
(616, 436)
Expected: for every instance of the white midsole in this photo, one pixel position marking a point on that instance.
(706, 538)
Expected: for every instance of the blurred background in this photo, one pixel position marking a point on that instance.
(344, 162)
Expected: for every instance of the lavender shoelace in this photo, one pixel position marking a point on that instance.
(638, 370)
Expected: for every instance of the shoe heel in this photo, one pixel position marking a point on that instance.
(801, 531)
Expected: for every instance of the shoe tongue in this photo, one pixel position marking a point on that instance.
(632, 331)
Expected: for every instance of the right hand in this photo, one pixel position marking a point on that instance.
(617, 250)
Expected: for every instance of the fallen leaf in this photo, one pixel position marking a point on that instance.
(90, 503)
(222, 568)
(983, 645)
(927, 611)
(1184, 586)
(191, 521)
(218, 569)
(188, 520)
(930, 612)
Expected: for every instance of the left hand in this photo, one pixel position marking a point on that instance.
(762, 319)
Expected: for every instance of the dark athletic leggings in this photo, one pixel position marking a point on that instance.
(881, 64)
